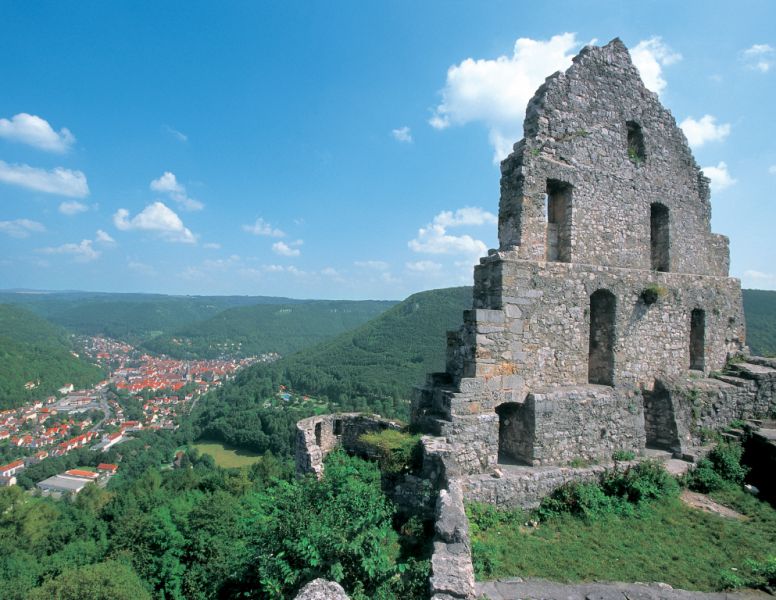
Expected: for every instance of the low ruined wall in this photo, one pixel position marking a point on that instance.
(586, 422)
(319, 435)
(452, 571)
(700, 406)
(523, 488)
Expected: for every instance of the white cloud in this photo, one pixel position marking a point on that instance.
(212, 246)
(178, 135)
(496, 91)
(283, 249)
(261, 227)
(759, 279)
(470, 215)
(424, 266)
(720, 177)
(389, 279)
(156, 218)
(434, 238)
(772, 169)
(373, 265)
(402, 134)
(72, 207)
(34, 131)
(141, 268)
(82, 252)
(103, 237)
(760, 57)
(704, 130)
(273, 268)
(21, 228)
(63, 182)
(650, 56)
(221, 263)
(168, 184)
(333, 274)
(760, 276)
(257, 273)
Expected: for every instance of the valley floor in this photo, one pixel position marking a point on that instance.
(227, 456)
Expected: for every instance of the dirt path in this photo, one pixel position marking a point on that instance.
(706, 504)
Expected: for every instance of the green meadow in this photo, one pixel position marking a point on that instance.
(227, 456)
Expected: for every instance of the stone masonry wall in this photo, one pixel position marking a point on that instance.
(604, 197)
(319, 435)
(537, 323)
(585, 422)
(576, 132)
(523, 489)
(704, 405)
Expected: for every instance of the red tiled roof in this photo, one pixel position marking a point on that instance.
(12, 465)
(82, 473)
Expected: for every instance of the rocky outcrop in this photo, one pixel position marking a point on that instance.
(320, 589)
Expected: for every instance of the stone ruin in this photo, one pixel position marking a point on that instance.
(605, 321)
(319, 435)
(608, 298)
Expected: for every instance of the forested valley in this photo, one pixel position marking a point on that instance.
(194, 530)
(36, 358)
(173, 524)
(371, 368)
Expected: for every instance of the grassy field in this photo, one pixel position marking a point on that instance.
(227, 456)
(666, 541)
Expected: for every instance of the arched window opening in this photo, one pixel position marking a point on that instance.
(603, 307)
(558, 211)
(659, 237)
(697, 339)
(515, 434)
(636, 152)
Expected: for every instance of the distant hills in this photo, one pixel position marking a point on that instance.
(34, 351)
(347, 355)
(203, 326)
(134, 318)
(371, 368)
(381, 359)
(253, 330)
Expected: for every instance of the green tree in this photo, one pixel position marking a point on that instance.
(109, 580)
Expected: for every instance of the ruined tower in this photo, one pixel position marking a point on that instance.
(607, 283)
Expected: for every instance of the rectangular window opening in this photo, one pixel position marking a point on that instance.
(558, 211)
(318, 433)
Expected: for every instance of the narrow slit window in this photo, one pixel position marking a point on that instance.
(636, 152)
(659, 237)
(697, 339)
(318, 434)
(558, 211)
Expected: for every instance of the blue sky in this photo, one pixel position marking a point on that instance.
(337, 149)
